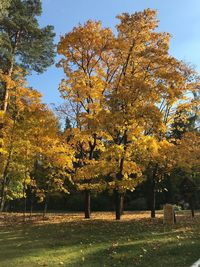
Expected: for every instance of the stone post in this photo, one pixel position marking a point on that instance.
(168, 214)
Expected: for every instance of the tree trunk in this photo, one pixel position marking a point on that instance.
(174, 216)
(192, 211)
(153, 194)
(122, 204)
(3, 186)
(31, 205)
(24, 196)
(192, 207)
(45, 207)
(87, 204)
(119, 198)
(2, 199)
(10, 71)
(2, 196)
(118, 204)
(5, 99)
(24, 208)
(46, 202)
(152, 199)
(87, 192)
(5, 171)
(6, 92)
(153, 202)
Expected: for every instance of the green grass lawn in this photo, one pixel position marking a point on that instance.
(68, 240)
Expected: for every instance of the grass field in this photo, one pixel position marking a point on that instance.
(69, 240)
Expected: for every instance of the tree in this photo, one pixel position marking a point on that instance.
(177, 112)
(148, 85)
(184, 126)
(124, 88)
(88, 68)
(187, 154)
(31, 135)
(22, 43)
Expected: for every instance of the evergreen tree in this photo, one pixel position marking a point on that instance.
(23, 42)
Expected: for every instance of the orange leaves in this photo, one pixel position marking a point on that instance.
(138, 24)
(85, 65)
(188, 151)
(8, 80)
(31, 134)
(90, 35)
(124, 92)
(131, 168)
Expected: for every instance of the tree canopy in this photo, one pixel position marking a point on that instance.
(131, 110)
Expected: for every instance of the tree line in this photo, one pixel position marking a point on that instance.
(131, 110)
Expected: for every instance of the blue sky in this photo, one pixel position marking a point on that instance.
(181, 18)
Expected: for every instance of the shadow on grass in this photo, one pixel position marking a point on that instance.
(98, 243)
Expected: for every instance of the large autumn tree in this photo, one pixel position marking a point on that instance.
(88, 66)
(123, 89)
